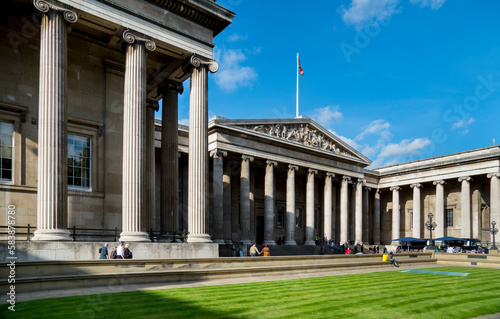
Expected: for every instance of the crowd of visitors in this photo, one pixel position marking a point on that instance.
(122, 251)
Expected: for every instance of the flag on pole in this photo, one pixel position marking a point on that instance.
(301, 70)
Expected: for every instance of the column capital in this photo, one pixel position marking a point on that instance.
(346, 178)
(490, 175)
(361, 181)
(330, 174)
(416, 185)
(247, 158)
(378, 191)
(465, 179)
(312, 171)
(440, 182)
(368, 188)
(395, 188)
(46, 5)
(218, 153)
(131, 37)
(271, 163)
(195, 61)
(293, 167)
(153, 104)
(171, 85)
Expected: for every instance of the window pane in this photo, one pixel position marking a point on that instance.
(79, 157)
(6, 175)
(6, 151)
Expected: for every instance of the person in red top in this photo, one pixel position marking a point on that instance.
(266, 251)
(348, 251)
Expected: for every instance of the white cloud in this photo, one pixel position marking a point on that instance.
(404, 148)
(326, 115)
(462, 126)
(236, 37)
(184, 122)
(434, 4)
(349, 141)
(377, 127)
(363, 12)
(232, 75)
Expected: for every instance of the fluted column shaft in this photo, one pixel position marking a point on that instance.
(494, 200)
(218, 193)
(245, 199)
(344, 209)
(135, 160)
(327, 218)
(52, 203)
(310, 208)
(269, 203)
(439, 208)
(417, 213)
(376, 217)
(169, 202)
(366, 215)
(358, 233)
(395, 212)
(150, 202)
(290, 206)
(466, 213)
(198, 149)
(227, 201)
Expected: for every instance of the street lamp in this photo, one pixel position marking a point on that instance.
(493, 231)
(431, 226)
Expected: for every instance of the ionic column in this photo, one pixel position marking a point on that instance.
(149, 204)
(245, 199)
(52, 205)
(366, 215)
(395, 212)
(218, 193)
(494, 200)
(466, 213)
(198, 147)
(310, 207)
(169, 200)
(344, 209)
(328, 205)
(358, 219)
(227, 200)
(290, 206)
(269, 203)
(416, 210)
(376, 217)
(439, 208)
(134, 138)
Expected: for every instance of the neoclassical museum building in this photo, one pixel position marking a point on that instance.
(80, 82)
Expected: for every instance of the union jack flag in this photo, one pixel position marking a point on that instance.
(301, 70)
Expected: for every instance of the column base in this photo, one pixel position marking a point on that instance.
(245, 242)
(52, 235)
(269, 242)
(199, 238)
(219, 241)
(290, 243)
(134, 237)
(309, 243)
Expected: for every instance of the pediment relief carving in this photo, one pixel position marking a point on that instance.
(300, 133)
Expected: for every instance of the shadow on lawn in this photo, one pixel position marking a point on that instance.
(137, 304)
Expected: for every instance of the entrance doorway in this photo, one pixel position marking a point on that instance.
(259, 238)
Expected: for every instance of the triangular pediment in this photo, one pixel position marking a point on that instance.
(302, 130)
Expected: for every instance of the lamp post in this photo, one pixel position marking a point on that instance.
(431, 226)
(493, 231)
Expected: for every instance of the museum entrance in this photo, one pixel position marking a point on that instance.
(259, 224)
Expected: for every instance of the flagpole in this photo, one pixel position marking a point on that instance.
(297, 107)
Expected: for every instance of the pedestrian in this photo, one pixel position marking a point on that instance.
(266, 251)
(127, 254)
(254, 251)
(113, 254)
(348, 250)
(119, 250)
(104, 252)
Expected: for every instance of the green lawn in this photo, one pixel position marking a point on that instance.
(372, 295)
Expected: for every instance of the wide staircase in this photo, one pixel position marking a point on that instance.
(53, 275)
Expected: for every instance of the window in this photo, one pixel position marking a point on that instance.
(411, 220)
(6, 151)
(281, 217)
(449, 217)
(298, 217)
(79, 162)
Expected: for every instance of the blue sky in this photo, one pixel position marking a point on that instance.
(398, 80)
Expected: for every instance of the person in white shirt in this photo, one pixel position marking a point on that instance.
(119, 251)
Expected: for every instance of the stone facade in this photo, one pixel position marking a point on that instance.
(221, 179)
